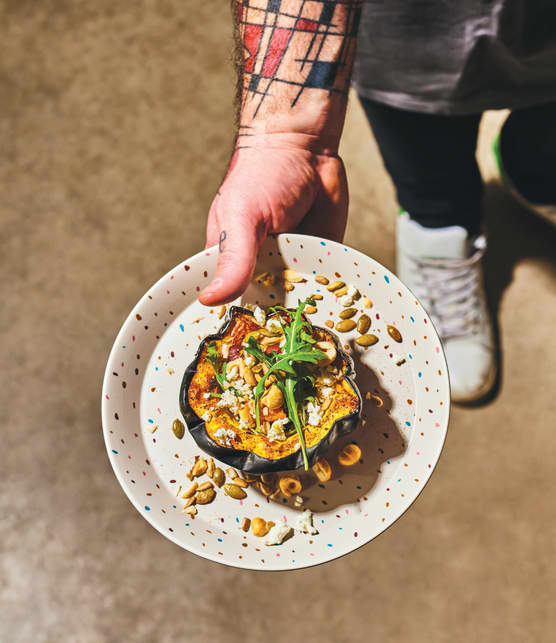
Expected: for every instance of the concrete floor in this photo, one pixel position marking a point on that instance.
(115, 129)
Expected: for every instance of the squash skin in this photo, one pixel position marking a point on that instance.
(249, 461)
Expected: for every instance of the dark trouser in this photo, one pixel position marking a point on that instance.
(431, 160)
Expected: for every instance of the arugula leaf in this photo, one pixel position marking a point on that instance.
(219, 366)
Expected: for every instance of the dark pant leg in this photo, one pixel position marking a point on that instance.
(528, 151)
(431, 160)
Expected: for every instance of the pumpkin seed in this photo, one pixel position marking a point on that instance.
(205, 496)
(292, 276)
(190, 501)
(341, 291)
(329, 323)
(316, 296)
(240, 482)
(310, 310)
(394, 333)
(205, 485)
(218, 477)
(366, 340)
(234, 491)
(345, 325)
(363, 324)
(178, 429)
(348, 312)
(367, 302)
(321, 279)
(335, 285)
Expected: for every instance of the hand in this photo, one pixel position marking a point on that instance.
(271, 190)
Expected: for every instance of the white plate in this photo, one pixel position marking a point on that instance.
(401, 441)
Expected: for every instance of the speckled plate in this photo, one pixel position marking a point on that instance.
(401, 440)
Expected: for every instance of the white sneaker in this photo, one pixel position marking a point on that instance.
(442, 267)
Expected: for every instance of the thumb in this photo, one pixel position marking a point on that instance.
(238, 247)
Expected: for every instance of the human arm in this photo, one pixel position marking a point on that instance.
(285, 171)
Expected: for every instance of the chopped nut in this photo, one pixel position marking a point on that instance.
(191, 510)
(191, 501)
(329, 323)
(210, 468)
(232, 473)
(266, 279)
(154, 428)
(246, 523)
(221, 312)
(367, 302)
(322, 470)
(288, 286)
(260, 527)
(189, 492)
(290, 485)
(199, 468)
(298, 501)
(349, 455)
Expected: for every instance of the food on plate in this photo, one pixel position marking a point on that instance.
(270, 391)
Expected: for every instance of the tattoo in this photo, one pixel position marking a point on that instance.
(309, 48)
(221, 240)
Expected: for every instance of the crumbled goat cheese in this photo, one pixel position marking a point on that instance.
(228, 400)
(313, 411)
(248, 359)
(277, 534)
(241, 386)
(206, 396)
(206, 416)
(345, 301)
(304, 523)
(274, 326)
(327, 381)
(260, 316)
(225, 436)
(276, 431)
(244, 424)
(326, 391)
(352, 291)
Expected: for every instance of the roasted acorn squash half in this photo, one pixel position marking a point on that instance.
(269, 392)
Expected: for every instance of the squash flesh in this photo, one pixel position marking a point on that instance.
(339, 403)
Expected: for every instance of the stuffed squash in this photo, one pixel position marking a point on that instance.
(269, 392)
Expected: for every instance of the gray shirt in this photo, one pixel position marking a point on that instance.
(458, 57)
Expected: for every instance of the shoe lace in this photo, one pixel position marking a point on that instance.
(450, 290)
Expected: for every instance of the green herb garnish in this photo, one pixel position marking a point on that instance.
(290, 367)
(218, 364)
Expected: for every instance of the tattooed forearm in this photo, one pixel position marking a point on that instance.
(292, 48)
